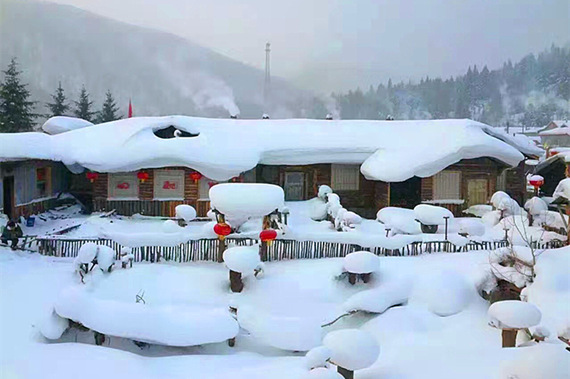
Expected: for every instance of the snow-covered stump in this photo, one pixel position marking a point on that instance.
(360, 264)
(431, 217)
(241, 261)
(511, 316)
(351, 349)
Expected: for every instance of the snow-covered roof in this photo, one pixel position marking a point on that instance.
(560, 131)
(62, 124)
(389, 151)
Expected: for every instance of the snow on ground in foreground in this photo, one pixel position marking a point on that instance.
(415, 343)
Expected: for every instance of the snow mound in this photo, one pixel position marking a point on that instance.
(105, 258)
(444, 292)
(53, 326)
(166, 325)
(323, 373)
(170, 226)
(87, 253)
(185, 212)
(317, 357)
(377, 300)
(282, 332)
(562, 189)
(491, 219)
(400, 220)
(318, 209)
(361, 262)
(471, 226)
(242, 259)
(431, 214)
(62, 124)
(352, 349)
(478, 210)
(246, 199)
(535, 206)
(350, 218)
(514, 314)
(543, 360)
(499, 197)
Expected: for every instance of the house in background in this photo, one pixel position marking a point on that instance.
(150, 165)
(556, 134)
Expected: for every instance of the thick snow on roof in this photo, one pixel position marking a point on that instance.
(62, 124)
(561, 131)
(223, 148)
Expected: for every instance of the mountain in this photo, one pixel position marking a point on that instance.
(160, 72)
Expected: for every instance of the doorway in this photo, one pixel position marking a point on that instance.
(294, 186)
(406, 194)
(477, 191)
(8, 196)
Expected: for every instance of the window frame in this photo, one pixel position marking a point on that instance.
(437, 177)
(336, 170)
(175, 175)
(115, 178)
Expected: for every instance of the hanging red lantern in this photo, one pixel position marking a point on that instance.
(536, 181)
(222, 230)
(92, 176)
(195, 176)
(143, 176)
(268, 235)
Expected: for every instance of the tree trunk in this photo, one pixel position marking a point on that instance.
(351, 278)
(221, 249)
(236, 284)
(509, 337)
(346, 374)
(365, 277)
(263, 251)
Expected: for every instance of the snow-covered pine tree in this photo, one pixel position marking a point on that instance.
(16, 110)
(83, 106)
(59, 106)
(109, 110)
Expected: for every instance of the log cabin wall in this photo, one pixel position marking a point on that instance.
(516, 183)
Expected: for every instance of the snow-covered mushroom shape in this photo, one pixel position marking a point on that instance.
(185, 213)
(430, 216)
(105, 258)
(170, 226)
(242, 261)
(511, 316)
(535, 207)
(562, 190)
(317, 357)
(351, 349)
(362, 264)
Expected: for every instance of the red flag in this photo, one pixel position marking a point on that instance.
(130, 109)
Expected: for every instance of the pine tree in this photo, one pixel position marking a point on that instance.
(83, 106)
(109, 110)
(16, 111)
(58, 107)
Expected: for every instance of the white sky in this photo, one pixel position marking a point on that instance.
(338, 44)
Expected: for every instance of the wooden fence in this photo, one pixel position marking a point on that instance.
(281, 249)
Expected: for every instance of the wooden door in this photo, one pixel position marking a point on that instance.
(294, 186)
(477, 191)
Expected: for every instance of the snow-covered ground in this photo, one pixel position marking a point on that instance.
(415, 342)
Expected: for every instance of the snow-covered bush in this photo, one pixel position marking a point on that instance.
(242, 261)
(505, 204)
(399, 220)
(93, 254)
(127, 257)
(431, 214)
(185, 212)
(105, 258)
(352, 349)
(562, 189)
(535, 206)
(324, 190)
(327, 203)
(470, 226)
(318, 209)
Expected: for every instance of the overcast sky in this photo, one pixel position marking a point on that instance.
(335, 44)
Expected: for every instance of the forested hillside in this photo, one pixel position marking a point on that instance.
(530, 93)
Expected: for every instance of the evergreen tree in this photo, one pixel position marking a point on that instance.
(83, 106)
(58, 107)
(109, 110)
(16, 111)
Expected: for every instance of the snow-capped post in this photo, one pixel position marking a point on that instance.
(511, 316)
(351, 349)
(360, 264)
(241, 261)
(536, 181)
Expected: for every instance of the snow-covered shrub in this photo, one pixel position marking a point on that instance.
(399, 220)
(328, 203)
(324, 190)
(185, 212)
(535, 206)
(105, 258)
(91, 253)
(352, 349)
(431, 214)
(505, 204)
(562, 189)
(127, 257)
(87, 253)
(515, 264)
(491, 218)
(470, 226)
(318, 210)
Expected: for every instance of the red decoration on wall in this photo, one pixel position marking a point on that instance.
(268, 235)
(222, 230)
(195, 176)
(168, 185)
(92, 176)
(123, 186)
(143, 176)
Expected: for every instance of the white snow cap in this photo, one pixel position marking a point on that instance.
(53, 326)
(390, 151)
(431, 214)
(400, 220)
(105, 257)
(323, 373)
(324, 190)
(170, 226)
(352, 349)
(513, 314)
(62, 124)
(536, 206)
(242, 259)
(562, 189)
(246, 199)
(185, 212)
(535, 177)
(87, 253)
(478, 210)
(317, 357)
(361, 262)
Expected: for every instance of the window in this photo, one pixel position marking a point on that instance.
(123, 186)
(345, 177)
(43, 181)
(502, 181)
(204, 188)
(447, 185)
(169, 185)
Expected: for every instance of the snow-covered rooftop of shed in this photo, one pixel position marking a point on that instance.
(390, 151)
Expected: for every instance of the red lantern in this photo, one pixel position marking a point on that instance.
(536, 181)
(143, 176)
(222, 230)
(92, 176)
(268, 235)
(195, 176)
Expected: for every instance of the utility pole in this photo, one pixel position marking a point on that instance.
(267, 83)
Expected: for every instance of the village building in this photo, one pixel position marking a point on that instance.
(150, 165)
(555, 134)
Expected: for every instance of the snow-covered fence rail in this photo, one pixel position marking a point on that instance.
(281, 249)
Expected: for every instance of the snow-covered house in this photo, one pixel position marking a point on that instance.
(152, 164)
(556, 133)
